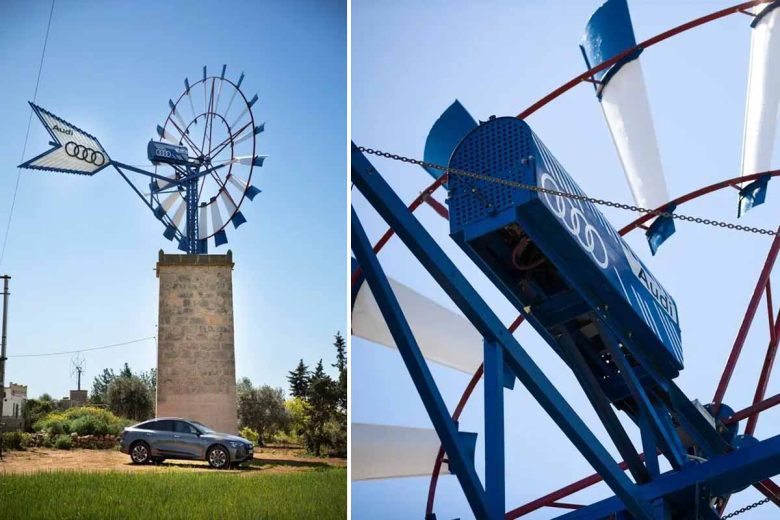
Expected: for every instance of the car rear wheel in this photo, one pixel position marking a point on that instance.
(140, 453)
(218, 457)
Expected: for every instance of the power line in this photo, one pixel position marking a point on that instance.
(139, 340)
(564, 194)
(26, 136)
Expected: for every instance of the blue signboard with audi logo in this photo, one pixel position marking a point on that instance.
(167, 153)
(558, 259)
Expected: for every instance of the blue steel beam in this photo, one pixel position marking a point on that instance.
(724, 474)
(493, 381)
(415, 363)
(384, 200)
(603, 408)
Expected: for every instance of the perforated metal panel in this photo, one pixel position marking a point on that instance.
(496, 149)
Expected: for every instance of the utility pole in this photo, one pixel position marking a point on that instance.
(3, 357)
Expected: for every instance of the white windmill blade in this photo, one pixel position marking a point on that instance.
(179, 215)
(235, 93)
(762, 101)
(165, 135)
(444, 336)
(189, 96)
(203, 223)
(256, 130)
(256, 160)
(160, 184)
(245, 110)
(216, 218)
(380, 451)
(219, 89)
(176, 114)
(167, 202)
(626, 106)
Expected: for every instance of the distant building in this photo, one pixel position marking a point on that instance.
(14, 397)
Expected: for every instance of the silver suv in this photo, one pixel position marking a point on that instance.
(173, 438)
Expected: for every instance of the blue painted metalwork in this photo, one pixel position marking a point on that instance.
(158, 152)
(445, 134)
(608, 33)
(752, 195)
(418, 369)
(661, 229)
(434, 260)
(724, 475)
(495, 486)
(558, 260)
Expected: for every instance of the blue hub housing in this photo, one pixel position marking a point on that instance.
(558, 260)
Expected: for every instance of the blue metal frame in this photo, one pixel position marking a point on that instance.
(404, 339)
(379, 194)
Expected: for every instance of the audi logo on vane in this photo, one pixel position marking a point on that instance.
(85, 153)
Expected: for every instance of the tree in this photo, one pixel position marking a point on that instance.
(126, 372)
(319, 372)
(341, 366)
(129, 396)
(243, 386)
(100, 386)
(320, 408)
(150, 379)
(35, 409)
(263, 410)
(299, 380)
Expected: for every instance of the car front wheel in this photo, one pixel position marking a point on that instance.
(218, 457)
(140, 453)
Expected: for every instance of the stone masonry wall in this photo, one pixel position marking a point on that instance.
(196, 367)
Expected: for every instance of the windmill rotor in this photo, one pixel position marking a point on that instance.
(218, 137)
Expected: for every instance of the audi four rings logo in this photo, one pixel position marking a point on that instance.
(85, 153)
(590, 240)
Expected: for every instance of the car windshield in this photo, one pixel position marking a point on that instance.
(202, 427)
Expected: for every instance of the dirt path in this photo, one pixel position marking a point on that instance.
(271, 459)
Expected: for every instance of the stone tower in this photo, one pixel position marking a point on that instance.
(196, 367)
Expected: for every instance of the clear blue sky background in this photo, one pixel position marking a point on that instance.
(82, 251)
(411, 59)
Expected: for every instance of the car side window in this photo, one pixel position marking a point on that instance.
(151, 425)
(164, 426)
(185, 427)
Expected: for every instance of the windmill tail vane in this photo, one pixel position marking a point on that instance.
(203, 162)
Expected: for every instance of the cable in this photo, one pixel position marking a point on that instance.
(573, 196)
(86, 349)
(26, 136)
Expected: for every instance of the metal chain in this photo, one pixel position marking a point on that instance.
(574, 196)
(745, 509)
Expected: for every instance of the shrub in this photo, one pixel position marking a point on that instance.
(250, 435)
(84, 420)
(89, 425)
(63, 442)
(12, 441)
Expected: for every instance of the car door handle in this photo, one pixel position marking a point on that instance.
(177, 436)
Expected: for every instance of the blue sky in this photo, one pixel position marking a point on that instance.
(410, 60)
(82, 250)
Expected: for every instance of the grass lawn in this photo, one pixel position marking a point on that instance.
(320, 494)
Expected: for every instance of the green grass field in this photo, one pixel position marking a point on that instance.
(320, 494)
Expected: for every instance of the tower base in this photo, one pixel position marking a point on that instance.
(196, 366)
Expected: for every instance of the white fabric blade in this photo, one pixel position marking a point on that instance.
(237, 182)
(379, 451)
(444, 336)
(249, 133)
(246, 109)
(224, 196)
(627, 110)
(161, 184)
(168, 201)
(216, 218)
(167, 136)
(230, 103)
(203, 223)
(178, 117)
(763, 94)
(179, 215)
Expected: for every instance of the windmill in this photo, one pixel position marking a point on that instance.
(78, 365)
(203, 160)
(521, 218)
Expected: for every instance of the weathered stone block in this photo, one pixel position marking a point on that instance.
(196, 367)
